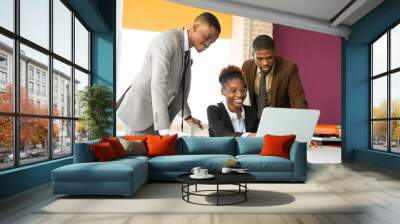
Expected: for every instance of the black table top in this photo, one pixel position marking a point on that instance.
(220, 178)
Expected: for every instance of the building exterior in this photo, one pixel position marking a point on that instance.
(34, 80)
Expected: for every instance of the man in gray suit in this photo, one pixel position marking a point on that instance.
(161, 89)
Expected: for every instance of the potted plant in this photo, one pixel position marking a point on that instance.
(96, 103)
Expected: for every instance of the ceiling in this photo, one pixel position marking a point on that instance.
(326, 16)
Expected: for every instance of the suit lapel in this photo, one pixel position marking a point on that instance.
(225, 116)
(181, 49)
(188, 76)
(250, 86)
(275, 81)
(247, 118)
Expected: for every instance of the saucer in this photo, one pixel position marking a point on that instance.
(208, 176)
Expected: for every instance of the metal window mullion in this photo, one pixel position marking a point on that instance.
(73, 82)
(89, 53)
(50, 81)
(371, 111)
(389, 148)
(16, 84)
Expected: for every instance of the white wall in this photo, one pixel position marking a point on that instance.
(205, 88)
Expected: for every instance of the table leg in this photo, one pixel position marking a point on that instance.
(217, 194)
(245, 191)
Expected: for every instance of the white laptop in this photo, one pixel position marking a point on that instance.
(287, 121)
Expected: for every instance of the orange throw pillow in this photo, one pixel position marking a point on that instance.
(161, 145)
(136, 137)
(116, 145)
(103, 152)
(277, 145)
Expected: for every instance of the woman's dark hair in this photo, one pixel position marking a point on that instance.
(229, 73)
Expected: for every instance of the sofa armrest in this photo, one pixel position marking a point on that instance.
(83, 152)
(298, 155)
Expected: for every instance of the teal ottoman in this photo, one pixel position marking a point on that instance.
(118, 177)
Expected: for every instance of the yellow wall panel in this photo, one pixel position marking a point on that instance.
(160, 15)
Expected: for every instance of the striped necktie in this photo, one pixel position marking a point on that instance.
(186, 61)
(261, 94)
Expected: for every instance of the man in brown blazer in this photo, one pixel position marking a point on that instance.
(272, 81)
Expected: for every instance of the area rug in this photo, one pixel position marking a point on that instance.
(166, 198)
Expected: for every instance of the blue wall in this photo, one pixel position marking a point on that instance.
(356, 85)
(99, 16)
(24, 178)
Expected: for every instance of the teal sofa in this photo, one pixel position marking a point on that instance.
(125, 176)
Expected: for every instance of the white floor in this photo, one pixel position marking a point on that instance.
(324, 155)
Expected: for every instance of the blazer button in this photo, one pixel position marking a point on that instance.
(174, 94)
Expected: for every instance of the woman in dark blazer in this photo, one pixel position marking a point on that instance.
(231, 117)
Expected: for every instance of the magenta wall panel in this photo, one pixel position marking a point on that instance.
(318, 57)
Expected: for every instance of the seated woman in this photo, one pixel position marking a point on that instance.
(231, 117)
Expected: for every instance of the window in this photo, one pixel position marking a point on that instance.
(30, 87)
(30, 72)
(54, 126)
(62, 140)
(37, 74)
(6, 73)
(3, 78)
(34, 21)
(385, 94)
(62, 74)
(3, 61)
(62, 29)
(38, 89)
(7, 14)
(81, 45)
(3, 71)
(43, 90)
(81, 81)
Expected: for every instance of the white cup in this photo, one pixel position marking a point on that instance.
(203, 172)
(196, 170)
(226, 170)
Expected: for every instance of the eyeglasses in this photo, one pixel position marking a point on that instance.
(242, 91)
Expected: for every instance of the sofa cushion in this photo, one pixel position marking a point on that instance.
(277, 145)
(136, 137)
(83, 152)
(116, 144)
(249, 145)
(161, 145)
(206, 145)
(103, 152)
(112, 171)
(132, 157)
(185, 163)
(134, 147)
(257, 163)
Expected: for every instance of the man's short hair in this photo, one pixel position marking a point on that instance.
(263, 42)
(210, 19)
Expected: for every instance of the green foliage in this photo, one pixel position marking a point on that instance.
(96, 102)
(380, 127)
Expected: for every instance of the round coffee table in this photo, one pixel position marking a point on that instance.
(238, 179)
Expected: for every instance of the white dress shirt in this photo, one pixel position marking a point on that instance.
(237, 123)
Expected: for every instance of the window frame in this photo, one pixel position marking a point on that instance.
(16, 114)
(388, 74)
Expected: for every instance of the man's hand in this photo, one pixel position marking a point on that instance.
(191, 120)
